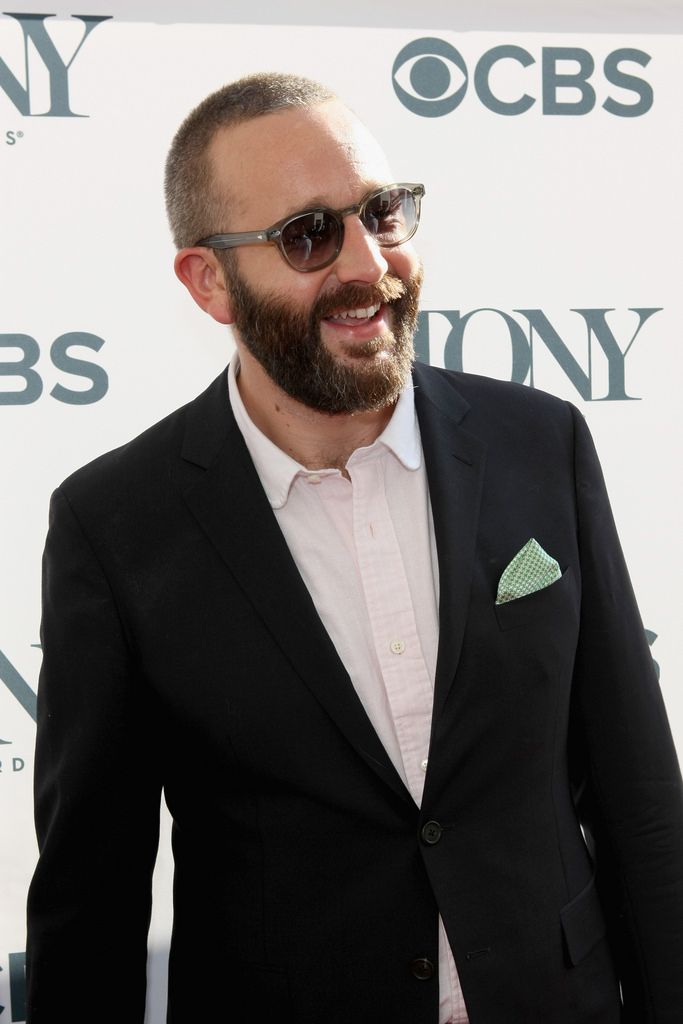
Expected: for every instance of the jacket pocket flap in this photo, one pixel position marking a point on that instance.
(583, 923)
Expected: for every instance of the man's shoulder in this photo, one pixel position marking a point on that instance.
(146, 461)
(489, 400)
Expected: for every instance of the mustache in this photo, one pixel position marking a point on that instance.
(358, 296)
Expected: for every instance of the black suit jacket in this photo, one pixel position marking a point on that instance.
(182, 649)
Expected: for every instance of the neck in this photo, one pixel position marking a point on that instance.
(314, 439)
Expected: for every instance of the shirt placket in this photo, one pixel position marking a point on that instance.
(392, 619)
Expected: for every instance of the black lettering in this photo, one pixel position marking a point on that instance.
(21, 368)
(33, 27)
(17, 686)
(17, 985)
(59, 353)
(596, 322)
(539, 322)
(641, 88)
(453, 349)
(553, 80)
(483, 87)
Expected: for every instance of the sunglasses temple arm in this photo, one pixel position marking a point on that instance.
(236, 238)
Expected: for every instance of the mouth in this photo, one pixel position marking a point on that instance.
(353, 317)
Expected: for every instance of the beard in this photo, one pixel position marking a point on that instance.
(287, 342)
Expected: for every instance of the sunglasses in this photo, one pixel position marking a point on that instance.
(313, 239)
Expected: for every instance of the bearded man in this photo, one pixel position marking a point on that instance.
(386, 608)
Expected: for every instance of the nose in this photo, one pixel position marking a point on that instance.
(361, 258)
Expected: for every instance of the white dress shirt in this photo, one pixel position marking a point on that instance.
(365, 549)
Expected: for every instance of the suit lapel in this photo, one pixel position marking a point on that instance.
(229, 503)
(454, 461)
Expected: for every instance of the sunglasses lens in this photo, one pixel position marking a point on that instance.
(391, 216)
(311, 240)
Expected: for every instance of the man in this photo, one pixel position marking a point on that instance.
(390, 624)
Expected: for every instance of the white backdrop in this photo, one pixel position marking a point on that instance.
(551, 241)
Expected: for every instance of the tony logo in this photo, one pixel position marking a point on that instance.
(37, 40)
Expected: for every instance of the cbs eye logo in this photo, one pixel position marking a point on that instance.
(423, 77)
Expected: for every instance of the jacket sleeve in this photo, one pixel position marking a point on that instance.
(634, 797)
(97, 795)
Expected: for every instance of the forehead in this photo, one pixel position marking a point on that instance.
(279, 163)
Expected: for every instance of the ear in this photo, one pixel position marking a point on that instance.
(202, 275)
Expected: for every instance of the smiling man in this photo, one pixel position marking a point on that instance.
(385, 609)
(351, 305)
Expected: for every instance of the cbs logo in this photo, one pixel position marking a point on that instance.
(430, 78)
(26, 382)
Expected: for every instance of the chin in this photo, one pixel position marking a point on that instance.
(372, 350)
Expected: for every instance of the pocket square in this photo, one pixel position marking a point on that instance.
(530, 570)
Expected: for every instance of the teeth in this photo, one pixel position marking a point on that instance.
(357, 314)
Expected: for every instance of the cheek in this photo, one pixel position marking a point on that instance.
(266, 273)
(302, 290)
(403, 261)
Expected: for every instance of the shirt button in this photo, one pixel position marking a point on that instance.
(397, 646)
(313, 479)
(423, 764)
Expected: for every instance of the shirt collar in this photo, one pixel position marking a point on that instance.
(277, 470)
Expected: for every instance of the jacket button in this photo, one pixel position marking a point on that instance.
(422, 968)
(431, 833)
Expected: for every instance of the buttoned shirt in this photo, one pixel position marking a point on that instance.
(364, 545)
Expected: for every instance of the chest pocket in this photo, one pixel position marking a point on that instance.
(554, 599)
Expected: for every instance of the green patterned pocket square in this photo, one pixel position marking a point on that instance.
(530, 570)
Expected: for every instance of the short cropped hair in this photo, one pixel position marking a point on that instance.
(193, 205)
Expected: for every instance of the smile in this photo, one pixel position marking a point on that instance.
(356, 314)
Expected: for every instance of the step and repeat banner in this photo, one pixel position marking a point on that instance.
(551, 237)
